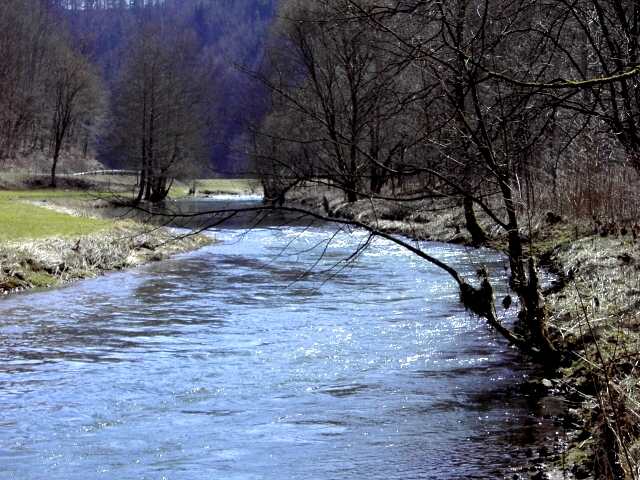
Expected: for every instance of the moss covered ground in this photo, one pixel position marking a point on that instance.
(597, 316)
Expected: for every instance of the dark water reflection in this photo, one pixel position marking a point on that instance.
(219, 364)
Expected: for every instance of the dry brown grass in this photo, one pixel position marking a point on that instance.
(598, 315)
(49, 262)
(586, 190)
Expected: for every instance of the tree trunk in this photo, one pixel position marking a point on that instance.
(54, 165)
(481, 301)
(516, 254)
(535, 314)
(159, 190)
(350, 189)
(525, 283)
(478, 236)
(141, 186)
(147, 190)
(375, 184)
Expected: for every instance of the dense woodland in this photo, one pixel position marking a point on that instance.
(152, 86)
(467, 97)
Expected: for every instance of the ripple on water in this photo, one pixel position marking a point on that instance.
(244, 361)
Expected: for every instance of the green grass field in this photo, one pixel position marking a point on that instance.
(218, 185)
(20, 220)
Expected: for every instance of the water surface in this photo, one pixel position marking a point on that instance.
(261, 357)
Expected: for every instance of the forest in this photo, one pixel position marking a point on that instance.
(511, 109)
(146, 85)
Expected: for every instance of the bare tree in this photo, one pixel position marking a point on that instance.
(158, 126)
(74, 100)
(326, 72)
(25, 38)
(50, 93)
(357, 72)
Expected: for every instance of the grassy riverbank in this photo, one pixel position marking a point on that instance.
(44, 242)
(594, 314)
(122, 185)
(597, 315)
(22, 219)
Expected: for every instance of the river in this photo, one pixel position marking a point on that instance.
(262, 357)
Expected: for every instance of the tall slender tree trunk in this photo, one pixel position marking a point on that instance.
(143, 153)
(350, 187)
(141, 187)
(536, 313)
(54, 165)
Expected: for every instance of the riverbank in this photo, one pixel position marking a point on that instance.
(53, 237)
(597, 316)
(594, 313)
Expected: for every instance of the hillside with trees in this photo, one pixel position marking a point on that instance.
(65, 64)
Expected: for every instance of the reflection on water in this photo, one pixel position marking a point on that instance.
(242, 361)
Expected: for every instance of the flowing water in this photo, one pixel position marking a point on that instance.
(261, 357)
